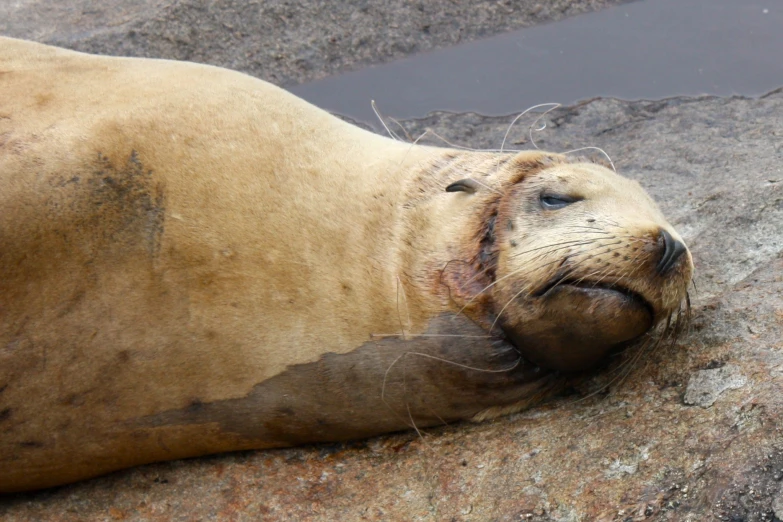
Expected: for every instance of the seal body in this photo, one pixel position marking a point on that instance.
(194, 261)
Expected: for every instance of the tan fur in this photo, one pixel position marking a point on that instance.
(174, 237)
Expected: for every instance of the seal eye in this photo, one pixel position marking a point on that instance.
(554, 202)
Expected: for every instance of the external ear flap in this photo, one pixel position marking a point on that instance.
(463, 185)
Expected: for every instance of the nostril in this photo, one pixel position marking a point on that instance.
(672, 251)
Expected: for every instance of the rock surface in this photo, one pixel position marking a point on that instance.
(705, 386)
(634, 451)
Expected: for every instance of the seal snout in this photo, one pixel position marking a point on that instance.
(673, 249)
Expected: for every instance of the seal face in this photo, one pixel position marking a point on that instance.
(194, 261)
(586, 262)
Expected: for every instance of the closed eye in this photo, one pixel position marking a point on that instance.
(557, 201)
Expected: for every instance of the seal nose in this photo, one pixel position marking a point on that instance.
(672, 251)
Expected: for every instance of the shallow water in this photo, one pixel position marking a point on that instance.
(649, 49)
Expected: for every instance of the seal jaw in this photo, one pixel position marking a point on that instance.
(576, 326)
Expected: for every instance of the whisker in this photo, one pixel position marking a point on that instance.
(500, 314)
(513, 122)
(380, 119)
(463, 147)
(404, 130)
(576, 242)
(487, 186)
(540, 266)
(511, 125)
(551, 250)
(399, 314)
(569, 243)
(413, 423)
(586, 227)
(630, 366)
(439, 359)
(383, 389)
(517, 273)
(465, 366)
(602, 151)
(625, 369)
(413, 336)
(530, 129)
(579, 257)
(405, 156)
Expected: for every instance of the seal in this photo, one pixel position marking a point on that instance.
(194, 261)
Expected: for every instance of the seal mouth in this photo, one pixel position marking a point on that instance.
(588, 287)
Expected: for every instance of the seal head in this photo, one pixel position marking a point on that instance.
(586, 262)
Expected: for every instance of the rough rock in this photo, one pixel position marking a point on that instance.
(625, 448)
(705, 386)
(777, 505)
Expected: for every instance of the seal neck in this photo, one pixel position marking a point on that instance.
(455, 236)
(452, 235)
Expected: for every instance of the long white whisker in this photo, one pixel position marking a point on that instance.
(602, 151)
(530, 129)
(511, 125)
(380, 119)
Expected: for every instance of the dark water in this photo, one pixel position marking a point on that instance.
(649, 49)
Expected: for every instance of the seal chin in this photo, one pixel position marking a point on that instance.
(577, 325)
